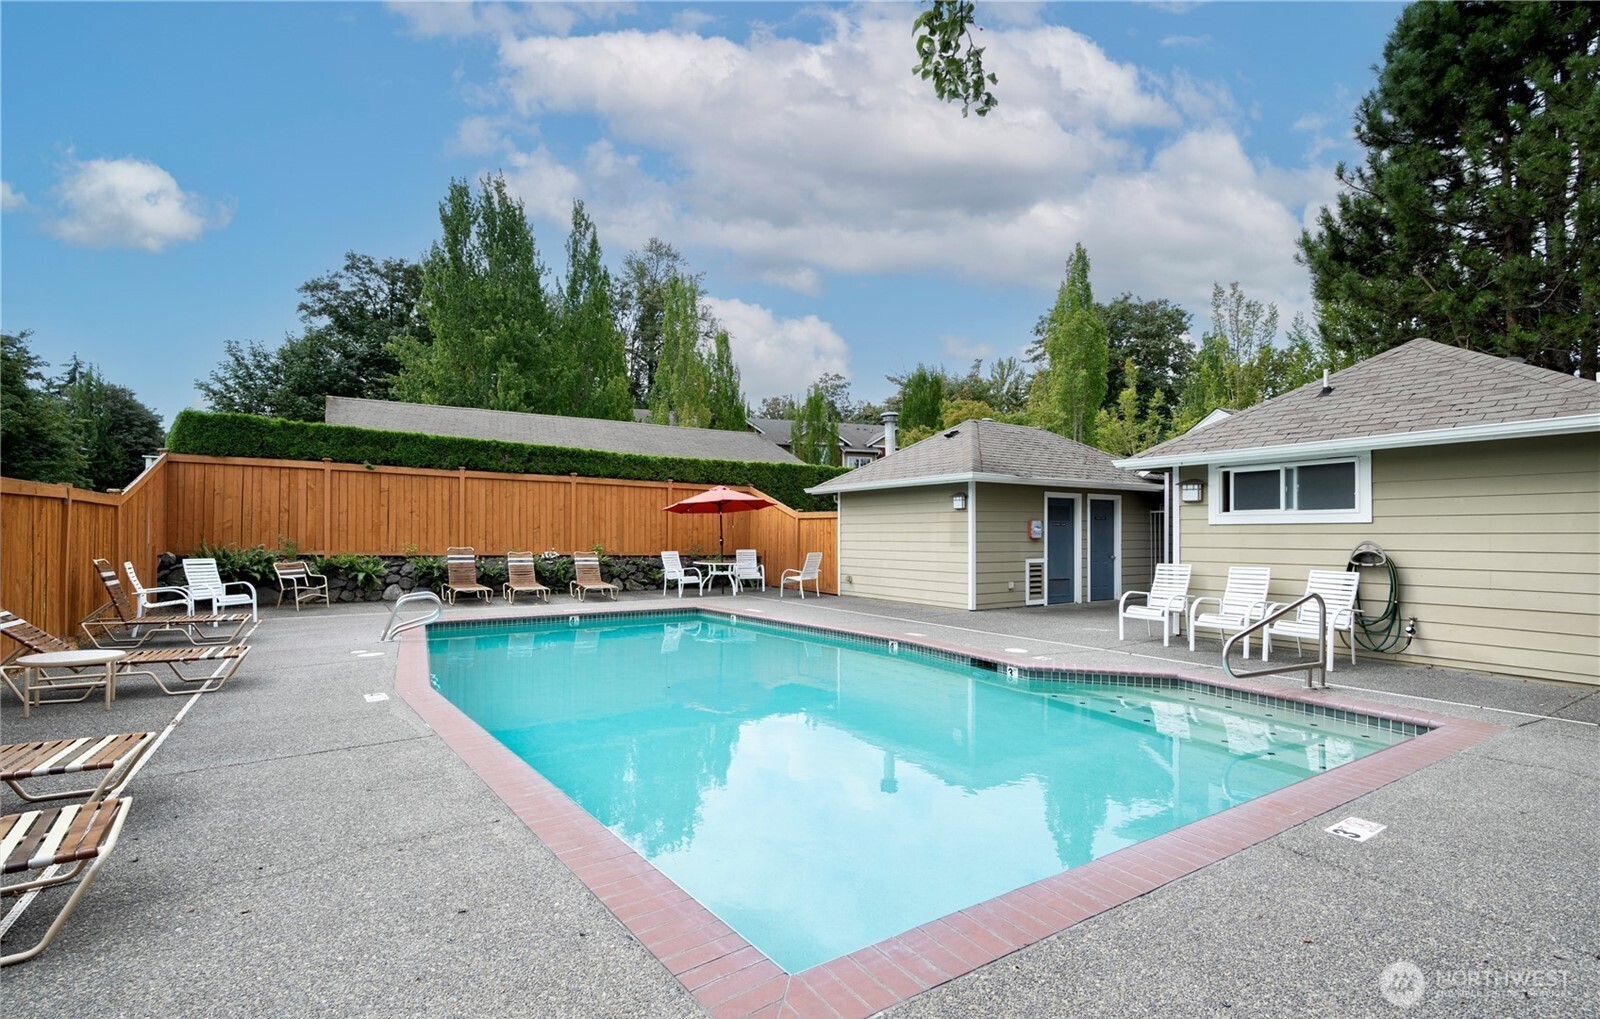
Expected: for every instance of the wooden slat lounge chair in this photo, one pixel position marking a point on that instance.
(146, 598)
(586, 577)
(461, 574)
(1338, 589)
(523, 575)
(206, 584)
(117, 624)
(747, 568)
(297, 578)
(114, 756)
(1165, 601)
(77, 837)
(1243, 602)
(220, 663)
(811, 570)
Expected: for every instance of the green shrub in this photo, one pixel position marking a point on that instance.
(429, 571)
(367, 571)
(491, 571)
(205, 433)
(554, 571)
(234, 562)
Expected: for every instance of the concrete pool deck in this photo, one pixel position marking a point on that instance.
(296, 849)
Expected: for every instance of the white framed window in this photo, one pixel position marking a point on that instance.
(857, 460)
(1332, 491)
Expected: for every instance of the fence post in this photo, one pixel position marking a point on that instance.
(327, 505)
(671, 498)
(461, 505)
(66, 567)
(572, 510)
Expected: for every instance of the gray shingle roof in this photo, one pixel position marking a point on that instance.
(550, 430)
(1420, 386)
(989, 451)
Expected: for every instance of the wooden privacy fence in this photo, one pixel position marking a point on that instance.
(50, 533)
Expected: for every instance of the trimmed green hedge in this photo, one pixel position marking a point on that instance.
(203, 433)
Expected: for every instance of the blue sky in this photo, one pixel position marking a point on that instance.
(172, 172)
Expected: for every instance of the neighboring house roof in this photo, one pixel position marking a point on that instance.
(989, 451)
(551, 430)
(1418, 394)
(852, 436)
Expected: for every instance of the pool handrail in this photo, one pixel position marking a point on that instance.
(1314, 672)
(396, 625)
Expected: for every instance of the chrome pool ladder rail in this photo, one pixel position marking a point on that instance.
(1316, 673)
(396, 625)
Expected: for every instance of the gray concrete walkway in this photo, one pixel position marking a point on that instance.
(296, 849)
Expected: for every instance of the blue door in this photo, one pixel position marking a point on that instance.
(1058, 551)
(1102, 549)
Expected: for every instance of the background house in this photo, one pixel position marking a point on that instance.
(988, 515)
(1479, 476)
(859, 444)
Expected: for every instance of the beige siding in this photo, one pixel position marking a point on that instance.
(1003, 542)
(903, 544)
(1497, 547)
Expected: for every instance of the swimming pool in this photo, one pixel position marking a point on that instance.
(821, 793)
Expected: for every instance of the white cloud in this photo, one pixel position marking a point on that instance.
(797, 159)
(779, 356)
(1186, 40)
(962, 350)
(129, 203)
(11, 200)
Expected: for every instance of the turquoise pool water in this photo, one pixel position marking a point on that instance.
(819, 795)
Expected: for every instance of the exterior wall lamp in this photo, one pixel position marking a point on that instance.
(1192, 491)
(958, 501)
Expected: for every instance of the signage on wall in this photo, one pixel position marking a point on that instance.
(1036, 529)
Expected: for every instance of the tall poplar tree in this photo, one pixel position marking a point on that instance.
(728, 409)
(593, 379)
(484, 298)
(1475, 218)
(1072, 385)
(814, 437)
(681, 394)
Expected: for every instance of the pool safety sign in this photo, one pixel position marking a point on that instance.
(1356, 829)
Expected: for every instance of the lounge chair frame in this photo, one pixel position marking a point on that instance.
(115, 756)
(522, 574)
(586, 577)
(220, 663)
(461, 574)
(78, 836)
(116, 625)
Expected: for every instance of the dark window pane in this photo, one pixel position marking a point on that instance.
(1326, 486)
(1256, 490)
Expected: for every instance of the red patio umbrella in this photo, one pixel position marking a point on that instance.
(720, 500)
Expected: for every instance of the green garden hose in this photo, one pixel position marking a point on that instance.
(1386, 631)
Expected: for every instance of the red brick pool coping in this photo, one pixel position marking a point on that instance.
(733, 978)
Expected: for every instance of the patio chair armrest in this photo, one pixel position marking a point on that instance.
(240, 583)
(181, 592)
(1122, 602)
(1194, 606)
(1177, 599)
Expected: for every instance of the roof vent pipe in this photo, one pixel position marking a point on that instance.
(890, 420)
(1327, 386)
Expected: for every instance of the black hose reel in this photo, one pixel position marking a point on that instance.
(1387, 631)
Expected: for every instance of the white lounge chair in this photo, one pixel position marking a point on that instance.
(672, 568)
(809, 571)
(205, 584)
(157, 597)
(1243, 602)
(1165, 601)
(1338, 590)
(747, 569)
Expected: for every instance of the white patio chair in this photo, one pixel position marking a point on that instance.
(1243, 602)
(1338, 589)
(672, 568)
(205, 584)
(157, 597)
(1165, 601)
(809, 571)
(746, 569)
